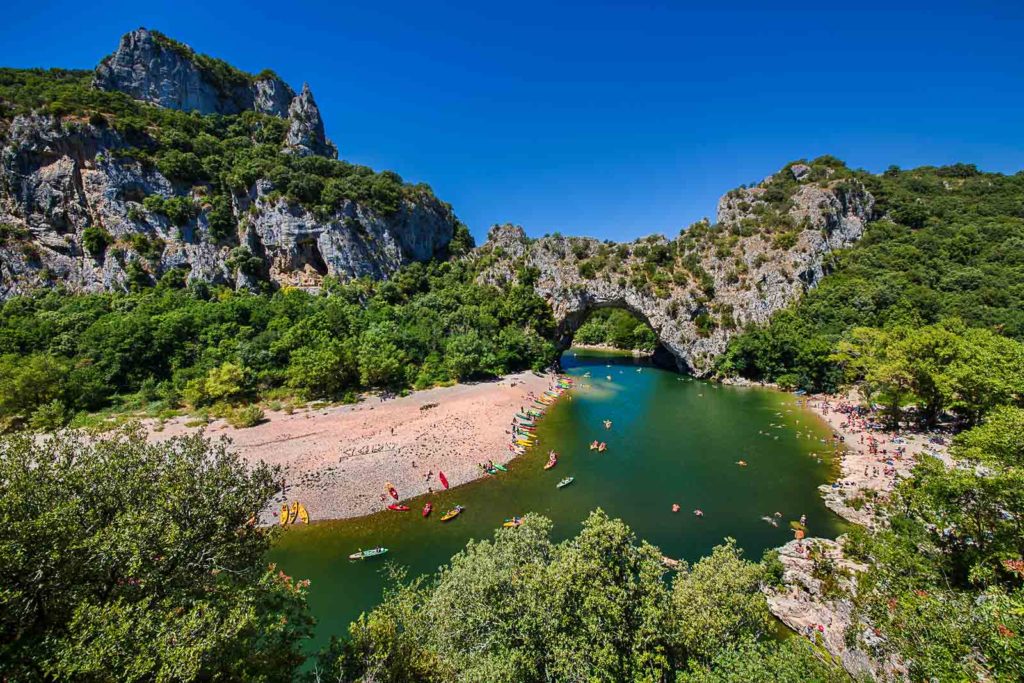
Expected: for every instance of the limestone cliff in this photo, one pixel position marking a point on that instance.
(153, 68)
(119, 194)
(770, 243)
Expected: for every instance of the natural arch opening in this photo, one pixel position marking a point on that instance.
(615, 327)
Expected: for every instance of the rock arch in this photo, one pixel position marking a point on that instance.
(573, 320)
(700, 289)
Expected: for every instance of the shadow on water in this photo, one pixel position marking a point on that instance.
(673, 440)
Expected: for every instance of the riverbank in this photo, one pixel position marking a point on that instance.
(636, 353)
(336, 460)
(871, 459)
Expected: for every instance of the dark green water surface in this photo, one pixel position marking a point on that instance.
(673, 440)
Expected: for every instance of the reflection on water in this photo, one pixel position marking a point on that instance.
(672, 440)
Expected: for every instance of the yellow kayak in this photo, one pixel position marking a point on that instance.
(451, 514)
(303, 515)
(294, 512)
(284, 514)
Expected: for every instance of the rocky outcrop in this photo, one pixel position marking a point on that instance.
(84, 206)
(150, 67)
(698, 290)
(816, 600)
(58, 179)
(153, 68)
(306, 128)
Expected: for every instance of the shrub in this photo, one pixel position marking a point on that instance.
(95, 240)
(248, 416)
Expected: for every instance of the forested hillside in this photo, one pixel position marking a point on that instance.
(216, 350)
(949, 245)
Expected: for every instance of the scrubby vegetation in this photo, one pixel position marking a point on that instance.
(924, 316)
(168, 346)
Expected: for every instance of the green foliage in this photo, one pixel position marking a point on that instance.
(946, 588)
(95, 240)
(953, 248)
(937, 367)
(209, 156)
(246, 416)
(129, 561)
(616, 327)
(594, 607)
(428, 324)
(747, 661)
(718, 601)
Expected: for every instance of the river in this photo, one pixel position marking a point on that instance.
(673, 440)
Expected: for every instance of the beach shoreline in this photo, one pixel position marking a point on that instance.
(871, 460)
(337, 460)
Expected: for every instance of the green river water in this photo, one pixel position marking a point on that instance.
(673, 440)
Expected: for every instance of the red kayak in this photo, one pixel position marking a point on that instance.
(399, 508)
(427, 508)
(393, 492)
(444, 479)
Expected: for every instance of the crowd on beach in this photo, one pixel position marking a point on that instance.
(873, 455)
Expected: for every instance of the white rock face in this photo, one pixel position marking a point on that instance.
(58, 179)
(753, 278)
(306, 130)
(150, 69)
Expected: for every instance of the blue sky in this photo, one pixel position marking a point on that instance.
(614, 120)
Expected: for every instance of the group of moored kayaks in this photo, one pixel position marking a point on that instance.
(296, 512)
(524, 428)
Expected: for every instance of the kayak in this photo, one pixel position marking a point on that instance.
(444, 479)
(393, 492)
(452, 514)
(549, 464)
(565, 482)
(303, 514)
(398, 508)
(514, 522)
(500, 467)
(284, 514)
(427, 508)
(294, 512)
(363, 554)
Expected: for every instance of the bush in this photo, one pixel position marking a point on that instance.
(248, 416)
(95, 240)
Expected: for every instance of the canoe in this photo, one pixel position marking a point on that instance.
(565, 482)
(549, 464)
(452, 514)
(284, 514)
(393, 492)
(294, 512)
(398, 508)
(363, 554)
(444, 479)
(303, 514)
(427, 508)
